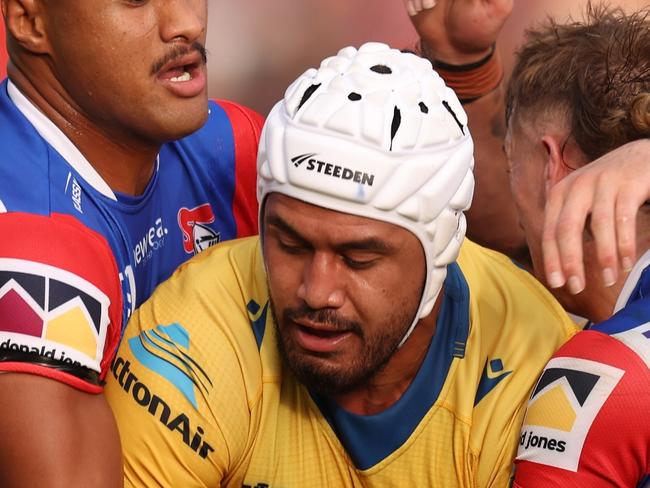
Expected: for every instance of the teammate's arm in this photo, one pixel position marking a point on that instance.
(610, 191)
(53, 435)
(461, 33)
(60, 315)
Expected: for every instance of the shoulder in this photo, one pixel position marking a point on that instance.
(593, 386)
(512, 300)
(60, 289)
(630, 326)
(24, 161)
(188, 372)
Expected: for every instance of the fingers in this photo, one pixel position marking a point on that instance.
(627, 206)
(552, 261)
(574, 201)
(414, 7)
(604, 230)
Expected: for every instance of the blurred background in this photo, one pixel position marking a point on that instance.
(258, 47)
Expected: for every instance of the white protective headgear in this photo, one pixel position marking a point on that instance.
(376, 133)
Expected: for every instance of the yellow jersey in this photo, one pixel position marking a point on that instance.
(202, 398)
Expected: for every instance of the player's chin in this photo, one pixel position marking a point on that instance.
(180, 119)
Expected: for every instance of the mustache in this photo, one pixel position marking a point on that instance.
(178, 52)
(323, 316)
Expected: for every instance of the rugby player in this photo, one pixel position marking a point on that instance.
(114, 169)
(362, 341)
(578, 91)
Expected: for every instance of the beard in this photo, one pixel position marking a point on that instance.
(312, 370)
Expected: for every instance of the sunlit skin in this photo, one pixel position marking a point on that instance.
(101, 71)
(540, 153)
(344, 291)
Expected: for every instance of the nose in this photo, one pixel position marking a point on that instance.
(321, 285)
(183, 20)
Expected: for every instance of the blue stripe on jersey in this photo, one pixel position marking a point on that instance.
(370, 438)
(635, 313)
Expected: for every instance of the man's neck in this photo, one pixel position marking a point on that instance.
(388, 385)
(125, 163)
(597, 302)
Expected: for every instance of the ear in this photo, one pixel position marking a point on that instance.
(556, 166)
(25, 24)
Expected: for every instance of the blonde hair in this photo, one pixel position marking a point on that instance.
(596, 71)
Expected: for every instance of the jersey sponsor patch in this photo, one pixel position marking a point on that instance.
(637, 339)
(52, 313)
(562, 408)
(165, 350)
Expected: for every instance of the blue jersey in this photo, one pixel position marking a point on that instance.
(78, 258)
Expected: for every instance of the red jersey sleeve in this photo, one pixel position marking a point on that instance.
(60, 299)
(587, 421)
(247, 127)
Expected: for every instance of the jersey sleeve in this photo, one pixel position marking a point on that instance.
(587, 419)
(178, 386)
(247, 127)
(60, 299)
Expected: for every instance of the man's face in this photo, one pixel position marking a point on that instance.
(132, 67)
(344, 290)
(526, 162)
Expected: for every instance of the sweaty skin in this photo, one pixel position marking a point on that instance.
(113, 77)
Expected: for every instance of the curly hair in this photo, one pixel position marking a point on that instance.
(596, 71)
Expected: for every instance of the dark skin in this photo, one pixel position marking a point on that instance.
(352, 269)
(88, 67)
(119, 78)
(462, 32)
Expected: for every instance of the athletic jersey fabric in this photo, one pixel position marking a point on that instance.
(588, 423)
(77, 258)
(202, 399)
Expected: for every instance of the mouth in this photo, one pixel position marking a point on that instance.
(320, 338)
(185, 75)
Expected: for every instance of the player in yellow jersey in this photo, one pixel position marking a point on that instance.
(360, 342)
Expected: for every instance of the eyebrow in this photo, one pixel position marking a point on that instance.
(371, 244)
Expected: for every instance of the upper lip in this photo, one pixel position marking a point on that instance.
(193, 58)
(303, 322)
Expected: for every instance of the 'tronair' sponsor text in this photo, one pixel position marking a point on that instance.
(159, 409)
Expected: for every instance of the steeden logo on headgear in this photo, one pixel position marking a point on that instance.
(330, 169)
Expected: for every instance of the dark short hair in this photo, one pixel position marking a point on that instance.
(596, 71)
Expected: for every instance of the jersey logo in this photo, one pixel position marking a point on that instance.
(562, 408)
(165, 351)
(258, 321)
(492, 375)
(75, 193)
(52, 313)
(197, 236)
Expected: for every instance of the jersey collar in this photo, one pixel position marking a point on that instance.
(632, 281)
(59, 141)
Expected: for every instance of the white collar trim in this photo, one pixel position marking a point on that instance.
(59, 141)
(632, 280)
